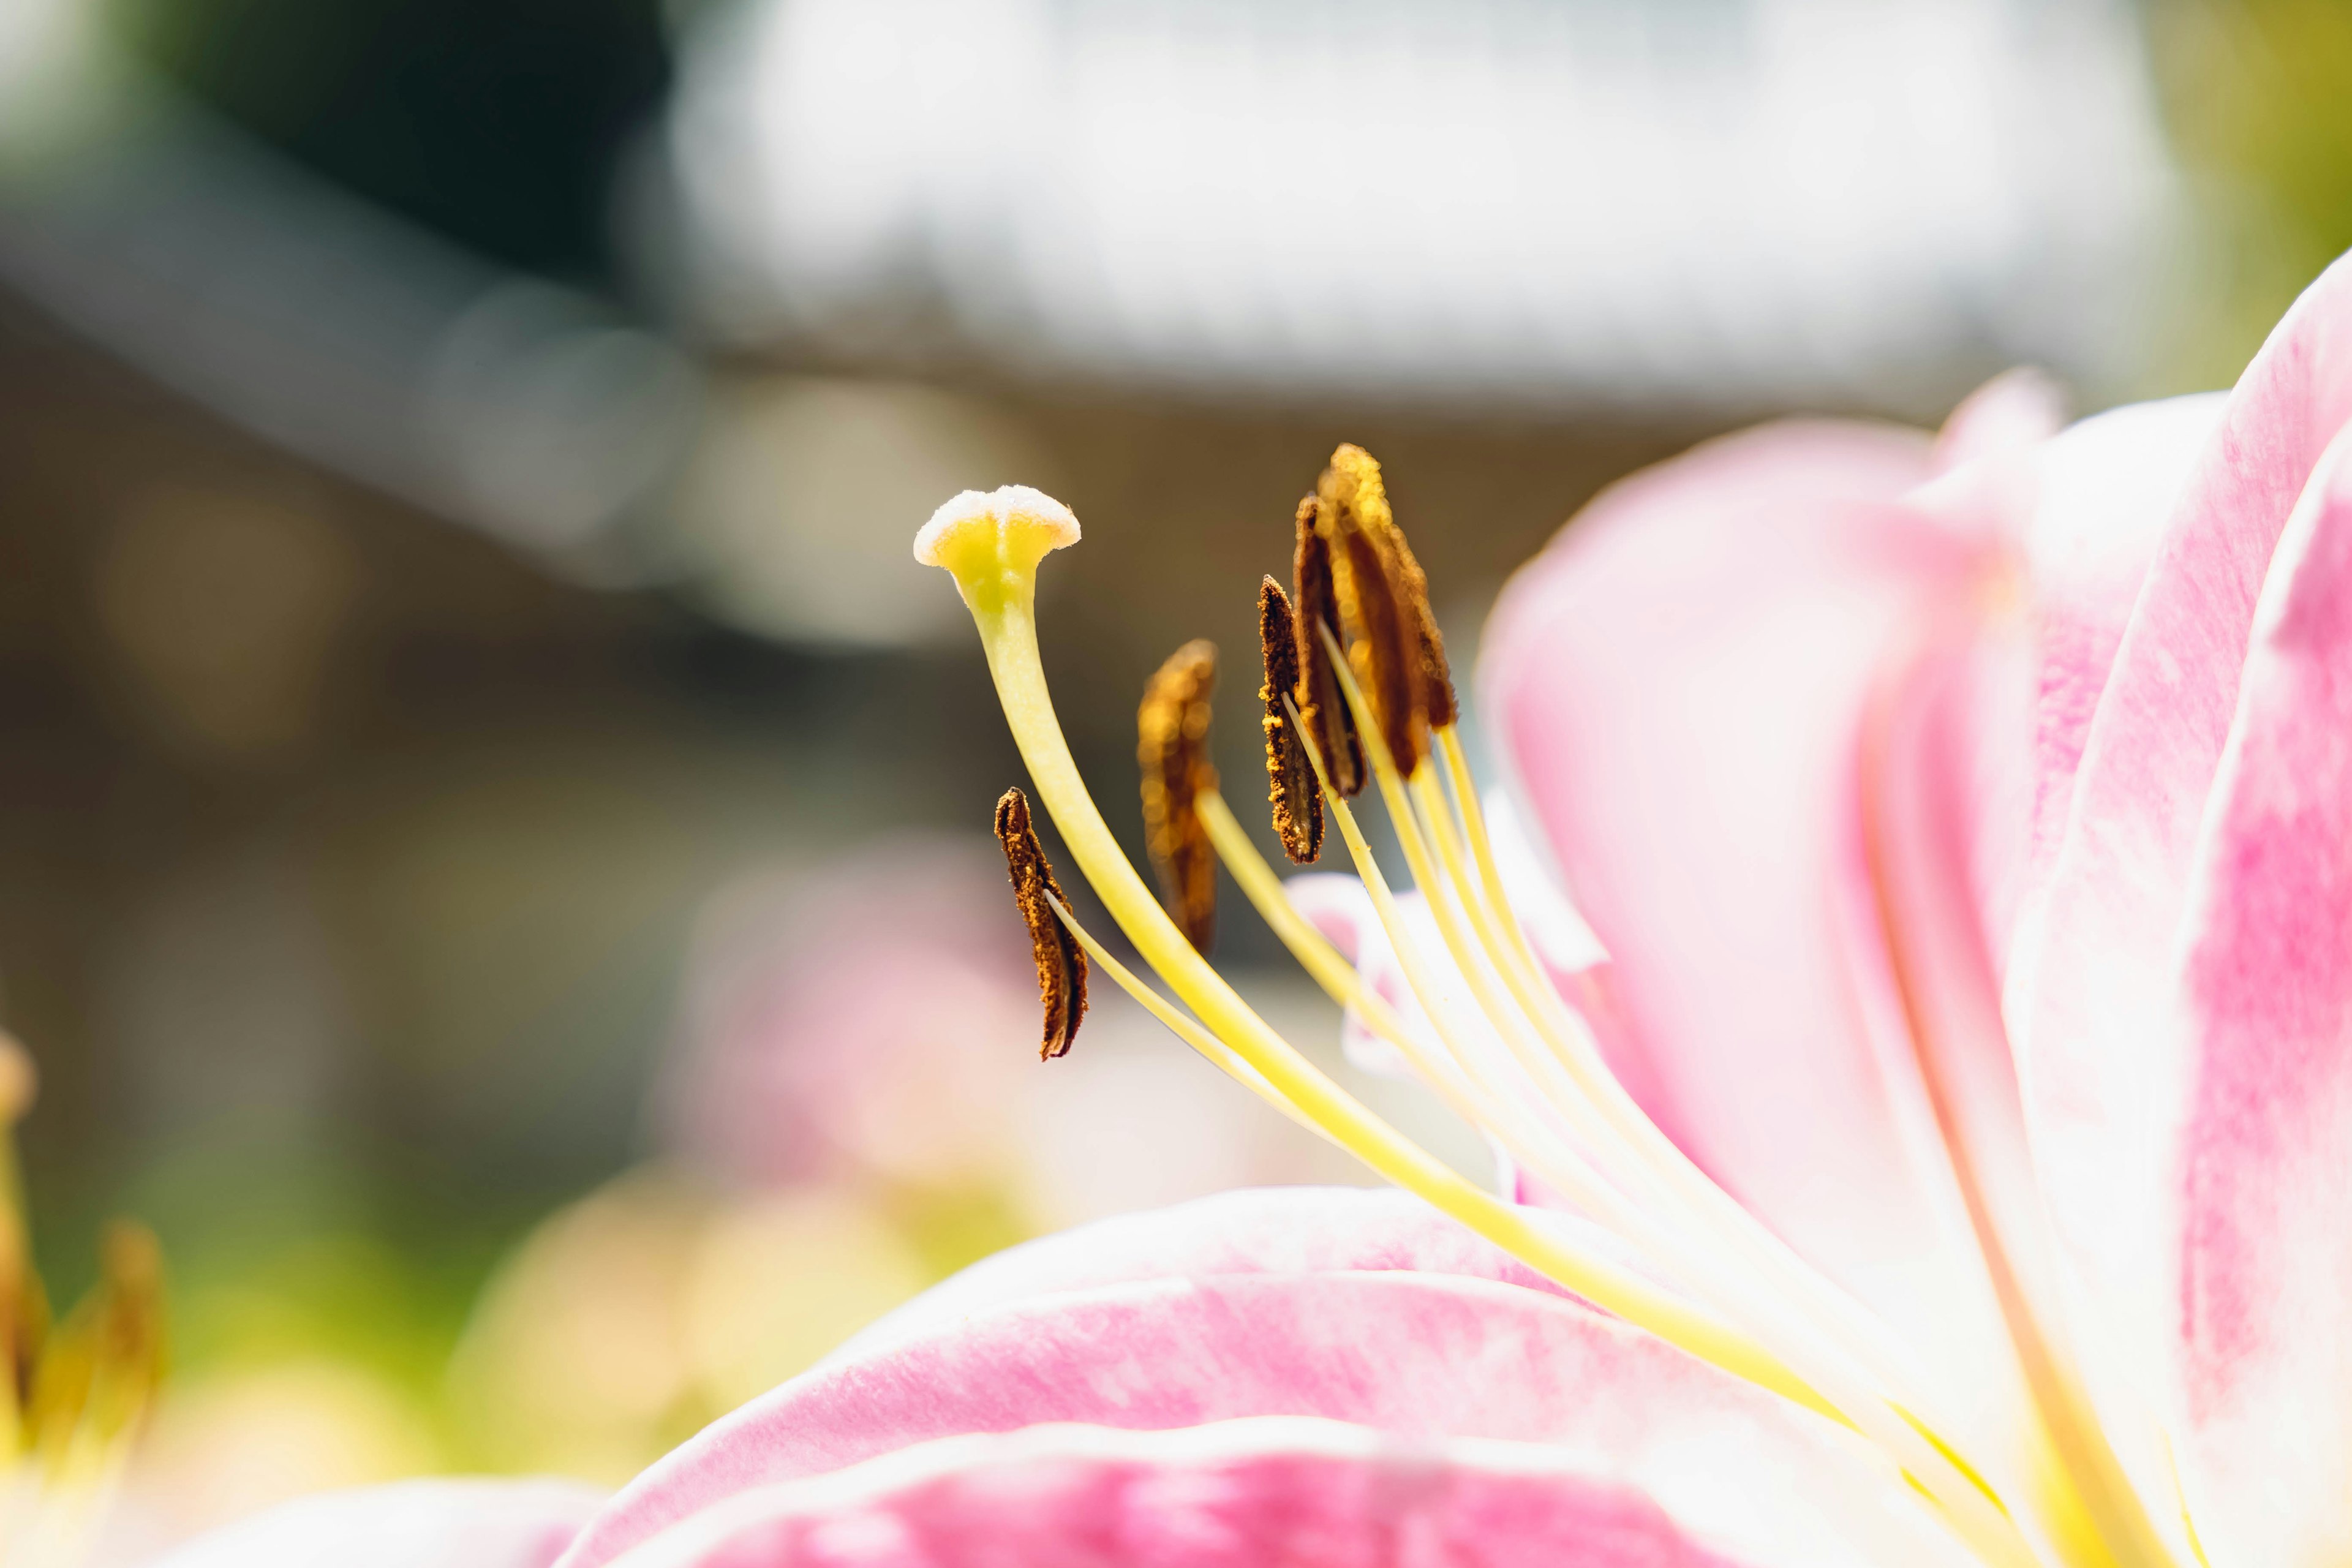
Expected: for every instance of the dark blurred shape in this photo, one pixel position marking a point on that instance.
(223, 609)
(496, 122)
(230, 273)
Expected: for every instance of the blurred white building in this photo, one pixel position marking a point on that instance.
(1676, 203)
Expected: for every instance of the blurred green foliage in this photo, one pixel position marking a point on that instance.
(497, 122)
(2257, 98)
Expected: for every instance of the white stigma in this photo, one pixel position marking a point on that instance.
(997, 508)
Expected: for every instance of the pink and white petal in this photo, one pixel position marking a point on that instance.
(1337, 906)
(2104, 491)
(2093, 993)
(1677, 685)
(407, 1525)
(2013, 413)
(1263, 1230)
(1300, 1492)
(2259, 1145)
(1417, 1356)
(1982, 742)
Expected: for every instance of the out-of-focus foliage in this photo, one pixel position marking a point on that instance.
(2258, 102)
(495, 122)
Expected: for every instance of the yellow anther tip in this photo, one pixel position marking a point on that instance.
(1006, 510)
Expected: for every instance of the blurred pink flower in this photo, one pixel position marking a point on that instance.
(1868, 757)
(859, 1021)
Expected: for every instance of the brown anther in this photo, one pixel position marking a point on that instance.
(1290, 775)
(1412, 588)
(1322, 707)
(1061, 961)
(98, 1371)
(1171, 744)
(1384, 646)
(18, 1080)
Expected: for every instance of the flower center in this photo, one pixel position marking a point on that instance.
(1358, 692)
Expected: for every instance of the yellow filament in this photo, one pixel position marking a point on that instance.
(1535, 1148)
(1925, 1453)
(1218, 1053)
(994, 565)
(999, 588)
(1715, 1212)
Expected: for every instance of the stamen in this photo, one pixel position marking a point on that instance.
(1352, 513)
(1172, 735)
(1001, 590)
(994, 561)
(73, 1395)
(1412, 585)
(1859, 1396)
(1061, 963)
(1290, 783)
(99, 1370)
(1706, 1204)
(1323, 716)
(23, 1313)
(1185, 1028)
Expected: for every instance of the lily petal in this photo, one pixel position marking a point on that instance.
(407, 1524)
(2103, 492)
(1677, 684)
(1300, 1492)
(2262, 1143)
(2014, 412)
(2111, 1063)
(1262, 1230)
(1414, 1355)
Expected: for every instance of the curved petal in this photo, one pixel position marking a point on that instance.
(1307, 1493)
(2262, 1147)
(2012, 413)
(2104, 490)
(1677, 684)
(1414, 1355)
(407, 1524)
(2107, 1060)
(1265, 1230)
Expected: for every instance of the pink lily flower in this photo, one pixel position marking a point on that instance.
(1948, 1161)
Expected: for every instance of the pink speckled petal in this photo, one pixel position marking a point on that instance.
(2107, 1058)
(1242, 1494)
(1414, 1355)
(2259, 1143)
(2103, 492)
(408, 1524)
(1677, 684)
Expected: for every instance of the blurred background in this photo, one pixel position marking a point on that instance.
(493, 852)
